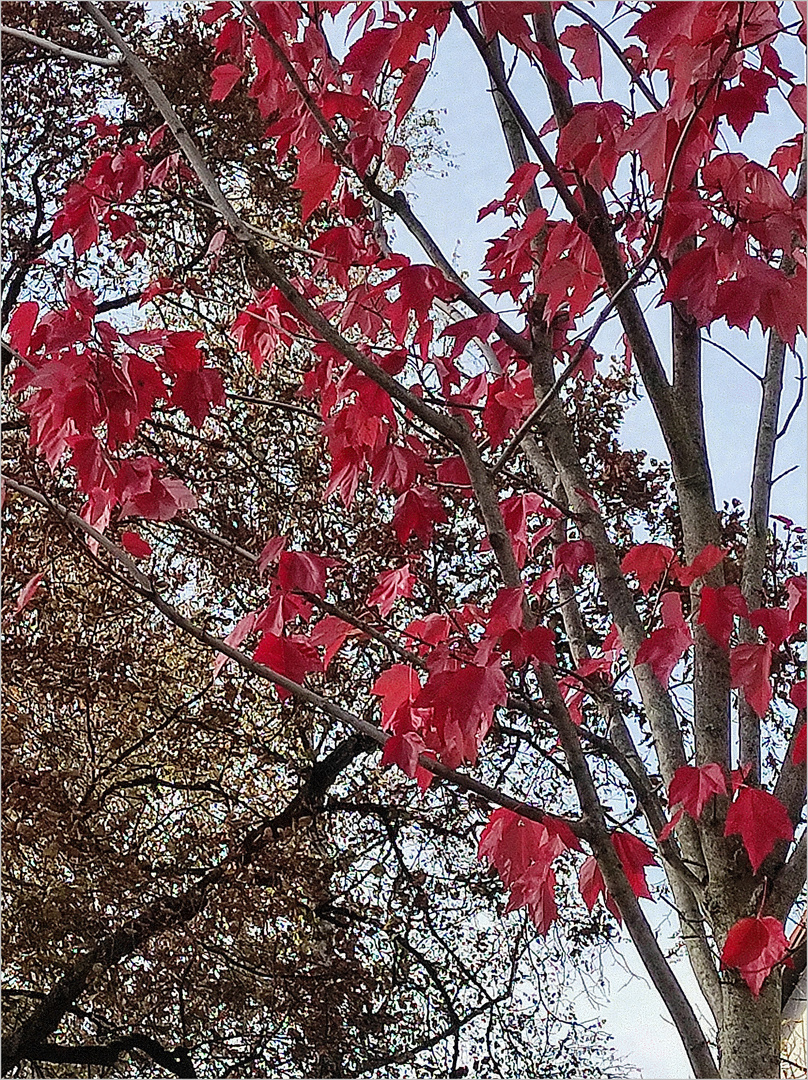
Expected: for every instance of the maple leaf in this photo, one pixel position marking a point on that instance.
(332, 633)
(761, 820)
(404, 749)
(225, 77)
(634, 856)
(181, 351)
(535, 890)
(293, 657)
(512, 843)
(27, 592)
(665, 647)
(693, 787)
(196, 391)
(398, 687)
(300, 571)
(408, 90)
(649, 562)
(754, 946)
(536, 644)
(240, 631)
(282, 609)
(462, 703)
(135, 545)
(591, 885)
(509, 401)
(796, 589)
(506, 612)
(776, 624)
(707, 559)
(717, 611)
(21, 325)
(465, 330)
(749, 668)
(391, 585)
(583, 40)
(416, 513)
(572, 555)
(271, 552)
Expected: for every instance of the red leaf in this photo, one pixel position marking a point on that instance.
(537, 644)
(512, 844)
(392, 585)
(552, 64)
(271, 552)
(708, 558)
(398, 686)
(225, 77)
(796, 589)
(797, 694)
(416, 513)
(408, 91)
(240, 631)
(754, 946)
(462, 703)
(667, 829)
(535, 890)
(798, 752)
(761, 819)
(776, 624)
(396, 158)
(572, 556)
(694, 787)
(649, 562)
(21, 325)
(591, 886)
(463, 331)
(332, 632)
(749, 667)
(403, 749)
(215, 11)
(583, 40)
(300, 571)
(316, 180)
(665, 647)
(506, 612)
(27, 592)
(135, 545)
(634, 856)
(292, 657)
(196, 391)
(796, 100)
(717, 610)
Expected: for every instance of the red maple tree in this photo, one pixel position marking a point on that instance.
(467, 417)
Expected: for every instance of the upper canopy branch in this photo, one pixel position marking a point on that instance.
(62, 50)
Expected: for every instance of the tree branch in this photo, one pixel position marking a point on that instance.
(62, 50)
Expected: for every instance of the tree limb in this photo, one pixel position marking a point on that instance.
(62, 50)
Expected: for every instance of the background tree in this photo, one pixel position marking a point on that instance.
(608, 677)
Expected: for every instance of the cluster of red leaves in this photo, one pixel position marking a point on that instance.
(522, 852)
(750, 662)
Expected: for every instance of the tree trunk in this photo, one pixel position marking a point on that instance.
(750, 1035)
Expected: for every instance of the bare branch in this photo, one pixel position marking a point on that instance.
(62, 50)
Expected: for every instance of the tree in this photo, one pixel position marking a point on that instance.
(316, 947)
(537, 616)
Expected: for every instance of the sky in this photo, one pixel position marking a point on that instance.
(447, 204)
